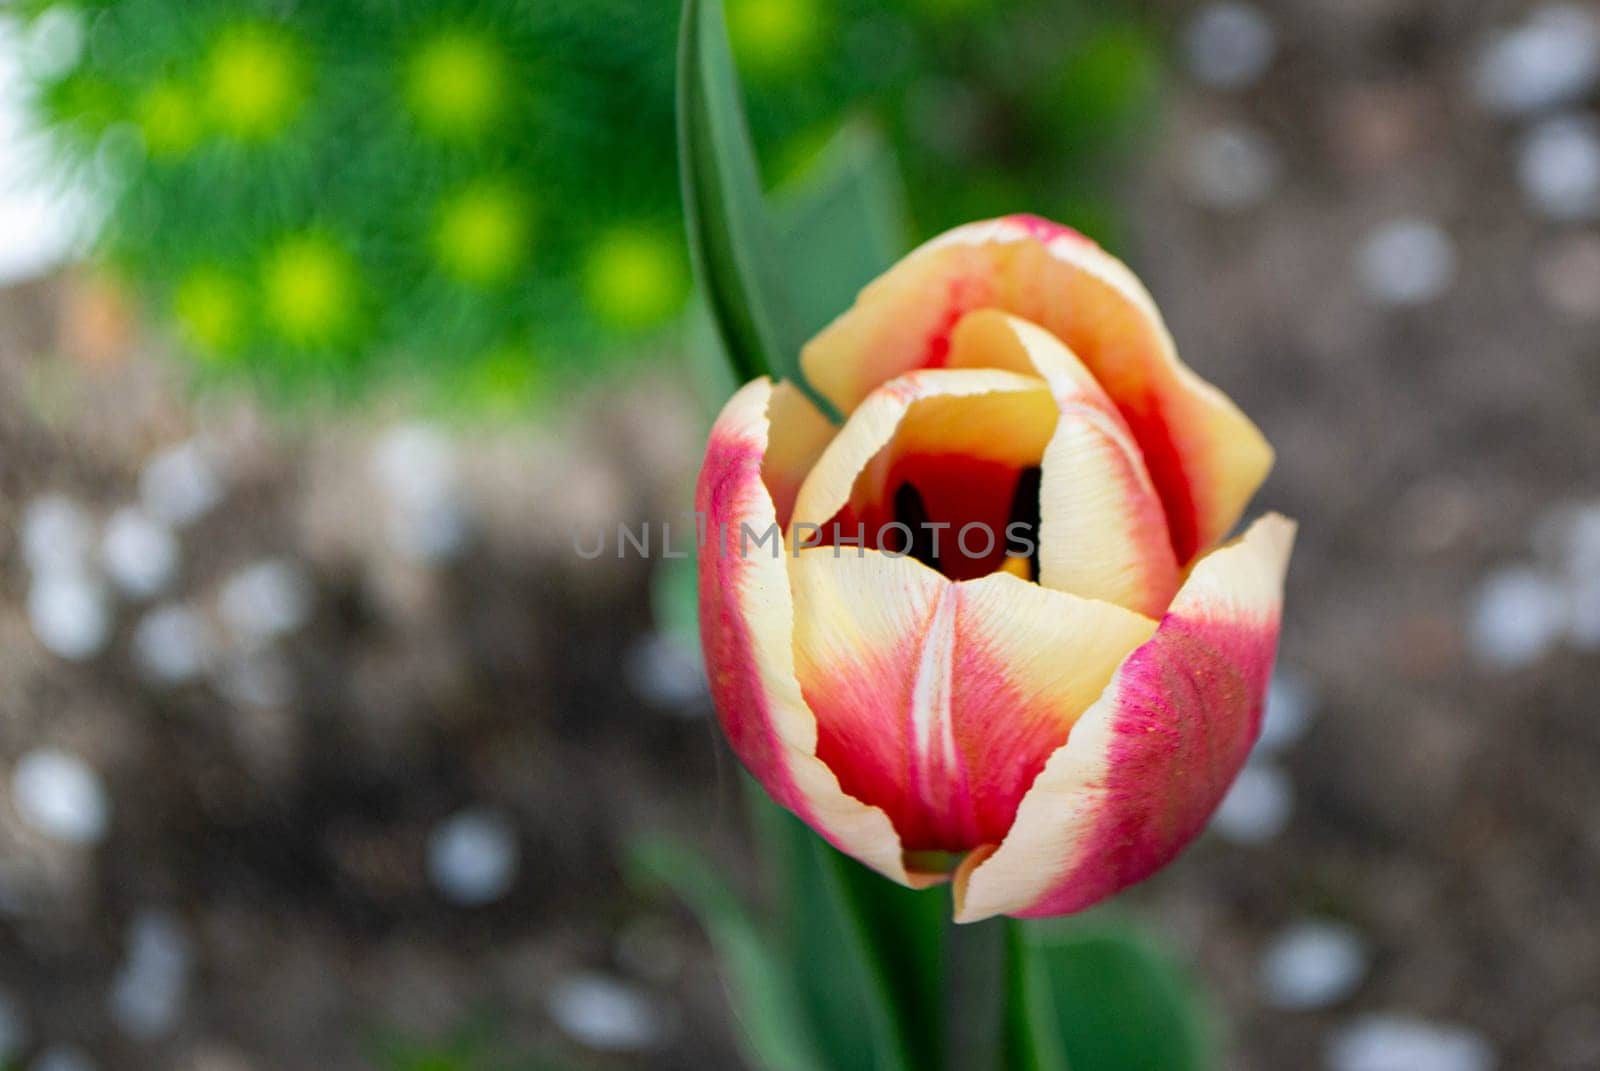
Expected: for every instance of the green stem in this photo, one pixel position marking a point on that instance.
(1030, 1041)
(733, 244)
(975, 972)
(864, 951)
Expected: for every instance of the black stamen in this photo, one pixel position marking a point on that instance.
(1025, 512)
(911, 511)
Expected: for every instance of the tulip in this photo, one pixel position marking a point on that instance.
(1042, 718)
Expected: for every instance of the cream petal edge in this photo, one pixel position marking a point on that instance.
(1092, 543)
(764, 606)
(1240, 456)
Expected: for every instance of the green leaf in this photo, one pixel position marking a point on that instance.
(711, 373)
(901, 931)
(846, 221)
(865, 952)
(732, 243)
(974, 974)
(1030, 1041)
(765, 1005)
(1119, 1004)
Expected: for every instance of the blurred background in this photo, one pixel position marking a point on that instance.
(321, 325)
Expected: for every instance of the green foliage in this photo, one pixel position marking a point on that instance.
(1120, 1003)
(324, 193)
(840, 975)
(480, 194)
(845, 220)
(866, 954)
(850, 972)
(1031, 1029)
(764, 992)
(732, 241)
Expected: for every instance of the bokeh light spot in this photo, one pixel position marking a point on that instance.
(309, 287)
(256, 81)
(634, 278)
(774, 36)
(456, 84)
(209, 305)
(169, 119)
(481, 233)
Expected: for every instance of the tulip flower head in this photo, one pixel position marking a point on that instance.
(994, 639)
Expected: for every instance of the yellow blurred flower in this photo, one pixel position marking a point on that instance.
(774, 36)
(256, 81)
(634, 277)
(169, 119)
(310, 288)
(210, 308)
(481, 232)
(456, 84)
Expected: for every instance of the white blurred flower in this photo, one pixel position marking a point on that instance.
(139, 554)
(172, 644)
(1229, 45)
(61, 796)
(473, 857)
(57, 533)
(606, 1015)
(265, 600)
(1550, 59)
(180, 485)
(70, 614)
(148, 990)
(1403, 1043)
(1407, 262)
(1257, 808)
(1230, 168)
(1559, 168)
(1313, 964)
(1518, 614)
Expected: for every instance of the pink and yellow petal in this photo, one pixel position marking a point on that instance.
(747, 626)
(999, 416)
(1145, 767)
(1030, 661)
(1103, 532)
(941, 701)
(864, 627)
(1205, 457)
(798, 433)
(993, 338)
